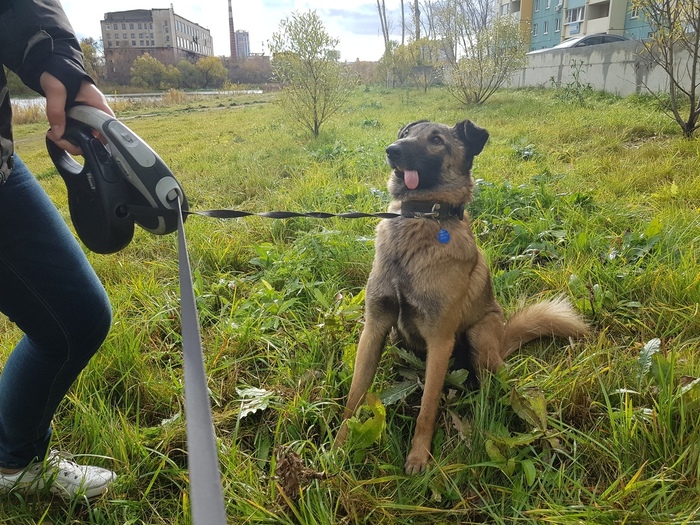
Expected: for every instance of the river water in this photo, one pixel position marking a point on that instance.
(150, 97)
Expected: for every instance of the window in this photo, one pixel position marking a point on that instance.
(133, 35)
(537, 5)
(133, 43)
(557, 25)
(635, 12)
(124, 36)
(131, 26)
(548, 4)
(545, 28)
(115, 26)
(140, 25)
(534, 29)
(574, 15)
(123, 26)
(141, 43)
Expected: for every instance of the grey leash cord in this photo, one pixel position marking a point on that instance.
(206, 494)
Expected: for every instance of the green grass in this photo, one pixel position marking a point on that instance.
(599, 201)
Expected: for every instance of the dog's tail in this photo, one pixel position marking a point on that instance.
(555, 317)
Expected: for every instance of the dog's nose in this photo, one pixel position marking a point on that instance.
(393, 151)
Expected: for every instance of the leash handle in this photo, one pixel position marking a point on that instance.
(206, 492)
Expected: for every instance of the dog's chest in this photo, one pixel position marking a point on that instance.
(421, 254)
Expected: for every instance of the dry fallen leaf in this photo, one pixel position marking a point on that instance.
(291, 474)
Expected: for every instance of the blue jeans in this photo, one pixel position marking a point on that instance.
(50, 291)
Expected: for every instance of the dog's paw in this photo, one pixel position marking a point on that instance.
(416, 461)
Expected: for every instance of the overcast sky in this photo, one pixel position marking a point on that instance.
(354, 22)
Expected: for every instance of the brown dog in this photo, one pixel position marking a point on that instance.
(430, 282)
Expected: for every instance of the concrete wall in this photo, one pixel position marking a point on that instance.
(619, 68)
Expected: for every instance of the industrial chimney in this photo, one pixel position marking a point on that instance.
(232, 33)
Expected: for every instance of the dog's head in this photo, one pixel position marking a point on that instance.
(429, 157)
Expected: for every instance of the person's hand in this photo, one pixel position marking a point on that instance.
(56, 95)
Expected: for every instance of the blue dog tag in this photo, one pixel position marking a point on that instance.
(443, 236)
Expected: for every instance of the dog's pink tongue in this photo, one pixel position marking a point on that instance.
(410, 177)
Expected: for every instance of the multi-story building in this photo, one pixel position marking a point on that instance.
(522, 10)
(163, 34)
(553, 21)
(242, 45)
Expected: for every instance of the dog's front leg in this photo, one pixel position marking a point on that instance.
(437, 361)
(369, 350)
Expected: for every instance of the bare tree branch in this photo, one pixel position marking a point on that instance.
(675, 47)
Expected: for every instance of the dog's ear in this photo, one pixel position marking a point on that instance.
(473, 136)
(404, 131)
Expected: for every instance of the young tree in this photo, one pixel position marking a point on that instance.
(171, 78)
(426, 66)
(189, 75)
(212, 72)
(304, 59)
(675, 47)
(416, 62)
(250, 71)
(398, 62)
(148, 72)
(484, 50)
(93, 58)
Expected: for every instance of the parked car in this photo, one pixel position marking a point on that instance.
(583, 41)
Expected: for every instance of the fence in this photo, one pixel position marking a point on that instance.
(620, 68)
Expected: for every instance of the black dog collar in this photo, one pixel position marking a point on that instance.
(431, 210)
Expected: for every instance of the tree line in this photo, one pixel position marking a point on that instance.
(209, 72)
(206, 73)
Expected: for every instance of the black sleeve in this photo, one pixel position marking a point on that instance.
(36, 36)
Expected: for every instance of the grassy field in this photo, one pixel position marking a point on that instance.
(597, 199)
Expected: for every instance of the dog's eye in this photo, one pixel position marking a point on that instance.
(437, 140)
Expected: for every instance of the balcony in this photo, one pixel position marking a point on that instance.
(598, 25)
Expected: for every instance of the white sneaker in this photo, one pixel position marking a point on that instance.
(62, 476)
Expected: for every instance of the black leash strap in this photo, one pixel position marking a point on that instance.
(206, 493)
(236, 214)
(409, 209)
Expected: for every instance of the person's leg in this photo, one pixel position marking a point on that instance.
(48, 288)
